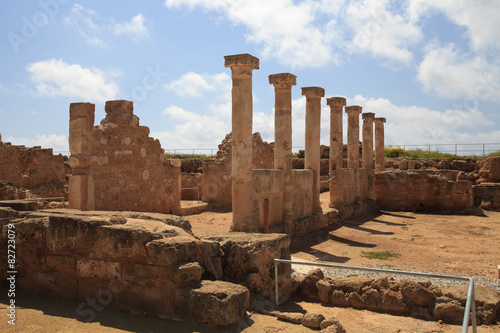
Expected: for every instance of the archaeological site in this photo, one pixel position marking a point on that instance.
(119, 225)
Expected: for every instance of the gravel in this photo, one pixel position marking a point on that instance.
(336, 272)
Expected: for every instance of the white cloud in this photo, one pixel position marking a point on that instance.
(380, 31)
(451, 74)
(286, 31)
(480, 18)
(419, 125)
(193, 131)
(55, 77)
(57, 142)
(90, 23)
(135, 29)
(194, 85)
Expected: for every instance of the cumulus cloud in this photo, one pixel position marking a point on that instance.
(55, 77)
(57, 142)
(193, 130)
(194, 85)
(135, 29)
(379, 30)
(419, 125)
(451, 74)
(317, 33)
(480, 18)
(90, 23)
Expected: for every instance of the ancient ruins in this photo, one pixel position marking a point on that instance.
(124, 240)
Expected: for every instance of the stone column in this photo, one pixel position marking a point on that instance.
(336, 148)
(353, 113)
(379, 144)
(367, 157)
(312, 140)
(336, 136)
(81, 185)
(242, 111)
(283, 135)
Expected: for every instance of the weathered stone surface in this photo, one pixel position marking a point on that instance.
(416, 293)
(324, 290)
(371, 300)
(313, 320)
(449, 310)
(490, 170)
(333, 324)
(292, 317)
(116, 165)
(338, 298)
(392, 302)
(487, 301)
(212, 302)
(351, 283)
(249, 260)
(262, 305)
(421, 190)
(308, 286)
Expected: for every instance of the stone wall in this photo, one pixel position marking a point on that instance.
(216, 181)
(268, 186)
(33, 168)
(143, 262)
(487, 196)
(189, 183)
(116, 165)
(421, 191)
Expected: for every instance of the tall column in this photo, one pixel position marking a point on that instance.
(379, 144)
(312, 140)
(353, 113)
(367, 157)
(242, 110)
(283, 83)
(81, 185)
(336, 136)
(336, 149)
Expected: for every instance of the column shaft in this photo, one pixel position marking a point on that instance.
(312, 139)
(242, 111)
(379, 144)
(336, 152)
(367, 157)
(283, 136)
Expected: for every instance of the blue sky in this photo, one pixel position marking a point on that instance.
(432, 68)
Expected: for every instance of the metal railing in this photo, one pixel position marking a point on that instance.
(191, 151)
(37, 199)
(470, 305)
(193, 188)
(466, 149)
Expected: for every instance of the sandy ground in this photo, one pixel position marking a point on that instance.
(448, 244)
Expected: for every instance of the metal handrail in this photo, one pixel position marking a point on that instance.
(469, 305)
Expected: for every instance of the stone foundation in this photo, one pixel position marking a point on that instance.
(421, 191)
(487, 196)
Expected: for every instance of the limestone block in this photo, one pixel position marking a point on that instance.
(212, 302)
(98, 269)
(123, 241)
(62, 234)
(62, 263)
(167, 252)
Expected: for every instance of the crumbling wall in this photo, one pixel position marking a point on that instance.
(216, 179)
(33, 168)
(116, 165)
(421, 190)
(268, 185)
(487, 196)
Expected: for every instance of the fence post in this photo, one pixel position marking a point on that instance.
(429, 148)
(455, 149)
(483, 149)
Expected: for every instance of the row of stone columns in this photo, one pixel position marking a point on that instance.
(242, 66)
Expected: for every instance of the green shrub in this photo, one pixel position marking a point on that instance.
(384, 255)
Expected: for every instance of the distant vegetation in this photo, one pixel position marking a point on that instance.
(417, 153)
(190, 156)
(384, 255)
(497, 153)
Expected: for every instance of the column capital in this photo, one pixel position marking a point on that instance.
(336, 101)
(311, 91)
(370, 116)
(283, 80)
(379, 120)
(241, 60)
(353, 109)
